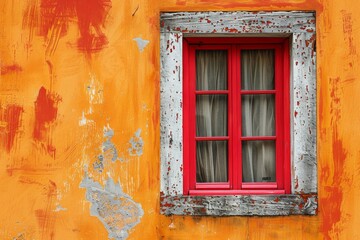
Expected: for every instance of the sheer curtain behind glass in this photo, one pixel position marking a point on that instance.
(258, 115)
(211, 116)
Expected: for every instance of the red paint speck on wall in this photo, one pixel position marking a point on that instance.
(91, 15)
(52, 19)
(10, 69)
(10, 120)
(46, 108)
(46, 216)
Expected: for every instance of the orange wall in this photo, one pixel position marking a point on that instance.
(59, 88)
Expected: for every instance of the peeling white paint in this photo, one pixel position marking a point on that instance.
(59, 208)
(171, 114)
(109, 152)
(141, 43)
(95, 91)
(84, 121)
(252, 205)
(136, 144)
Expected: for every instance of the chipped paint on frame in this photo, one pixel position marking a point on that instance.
(300, 27)
(275, 205)
(171, 114)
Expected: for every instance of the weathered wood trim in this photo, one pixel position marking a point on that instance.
(300, 27)
(238, 22)
(171, 113)
(276, 205)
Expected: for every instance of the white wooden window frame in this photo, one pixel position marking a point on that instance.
(300, 28)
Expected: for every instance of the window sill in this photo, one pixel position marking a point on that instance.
(210, 192)
(240, 205)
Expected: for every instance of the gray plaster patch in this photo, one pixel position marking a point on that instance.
(108, 150)
(141, 43)
(60, 208)
(115, 209)
(136, 144)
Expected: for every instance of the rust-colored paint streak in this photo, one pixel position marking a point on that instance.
(8, 69)
(10, 121)
(46, 217)
(181, 2)
(348, 31)
(46, 107)
(334, 193)
(332, 214)
(53, 17)
(92, 14)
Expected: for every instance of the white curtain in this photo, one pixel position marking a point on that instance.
(258, 115)
(211, 116)
(258, 157)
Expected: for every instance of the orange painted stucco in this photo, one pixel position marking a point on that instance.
(67, 79)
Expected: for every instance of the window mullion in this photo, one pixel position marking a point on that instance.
(235, 92)
(286, 115)
(192, 117)
(279, 123)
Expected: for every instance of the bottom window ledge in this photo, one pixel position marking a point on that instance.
(240, 205)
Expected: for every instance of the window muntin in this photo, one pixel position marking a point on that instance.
(238, 142)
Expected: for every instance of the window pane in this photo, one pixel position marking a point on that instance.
(211, 161)
(258, 161)
(211, 70)
(257, 69)
(211, 115)
(258, 115)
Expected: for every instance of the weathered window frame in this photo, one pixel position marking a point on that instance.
(300, 28)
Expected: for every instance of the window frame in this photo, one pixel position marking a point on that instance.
(234, 46)
(299, 26)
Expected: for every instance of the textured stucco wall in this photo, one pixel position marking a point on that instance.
(80, 114)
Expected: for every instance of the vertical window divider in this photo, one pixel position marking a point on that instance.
(236, 79)
(231, 166)
(186, 109)
(192, 117)
(286, 113)
(279, 123)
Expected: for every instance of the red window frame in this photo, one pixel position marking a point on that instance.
(235, 186)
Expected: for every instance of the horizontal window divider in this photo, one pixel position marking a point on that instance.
(250, 92)
(255, 138)
(212, 138)
(234, 192)
(259, 185)
(212, 185)
(196, 40)
(205, 92)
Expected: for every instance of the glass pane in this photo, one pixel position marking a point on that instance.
(258, 115)
(258, 161)
(257, 69)
(211, 161)
(211, 115)
(211, 70)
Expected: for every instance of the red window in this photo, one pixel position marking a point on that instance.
(236, 116)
